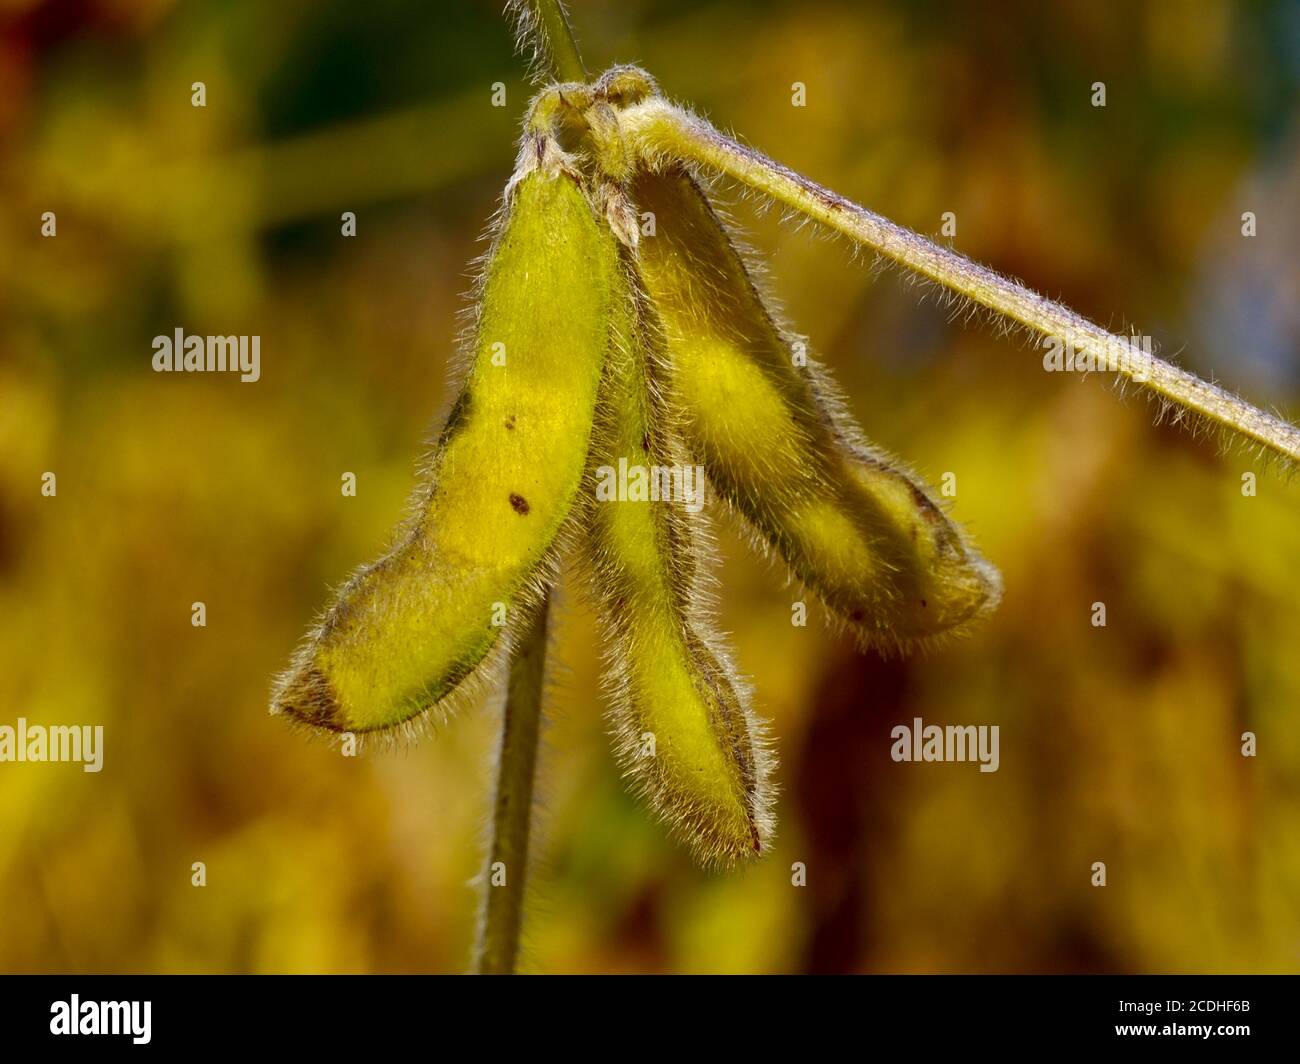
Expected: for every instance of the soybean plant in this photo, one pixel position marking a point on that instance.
(597, 346)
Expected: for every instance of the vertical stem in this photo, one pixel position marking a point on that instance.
(507, 869)
(512, 815)
(556, 37)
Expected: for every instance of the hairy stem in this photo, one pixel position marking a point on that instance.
(661, 130)
(506, 876)
(507, 871)
(556, 45)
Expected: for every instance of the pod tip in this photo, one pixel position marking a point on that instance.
(305, 695)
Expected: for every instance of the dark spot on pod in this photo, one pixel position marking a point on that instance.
(519, 503)
(510, 422)
(857, 614)
(923, 604)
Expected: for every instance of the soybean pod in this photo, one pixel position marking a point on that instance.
(850, 521)
(683, 729)
(406, 631)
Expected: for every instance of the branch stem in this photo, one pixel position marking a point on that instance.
(506, 876)
(551, 24)
(661, 130)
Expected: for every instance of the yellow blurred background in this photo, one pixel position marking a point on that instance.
(1119, 744)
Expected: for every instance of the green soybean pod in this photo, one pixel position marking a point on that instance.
(406, 631)
(683, 730)
(851, 522)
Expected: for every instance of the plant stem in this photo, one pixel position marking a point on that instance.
(512, 816)
(662, 131)
(555, 40)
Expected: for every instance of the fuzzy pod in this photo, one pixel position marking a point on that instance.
(681, 722)
(850, 521)
(407, 630)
